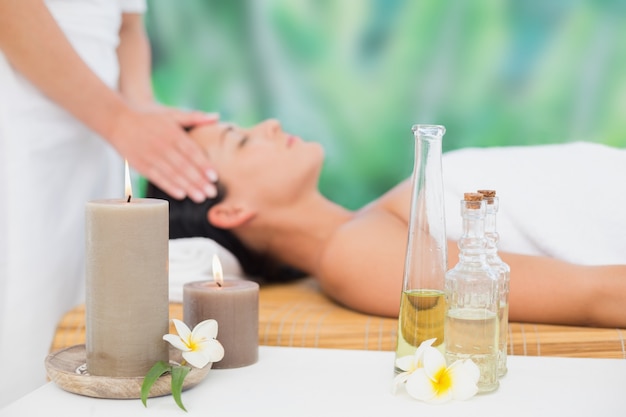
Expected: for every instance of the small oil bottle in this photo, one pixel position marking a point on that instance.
(504, 273)
(472, 299)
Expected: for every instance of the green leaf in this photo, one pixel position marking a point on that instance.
(153, 374)
(178, 376)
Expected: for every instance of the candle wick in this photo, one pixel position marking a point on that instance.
(128, 201)
(219, 284)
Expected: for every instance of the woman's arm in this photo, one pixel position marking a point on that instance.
(547, 290)
(363, 267)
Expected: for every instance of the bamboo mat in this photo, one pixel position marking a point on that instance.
(299, 315)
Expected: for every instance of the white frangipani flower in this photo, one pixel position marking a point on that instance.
(427, 378)
(199, 346)
(411, 363)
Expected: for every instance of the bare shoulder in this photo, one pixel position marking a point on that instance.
(396, 201)
(375, 238)
(363, 262)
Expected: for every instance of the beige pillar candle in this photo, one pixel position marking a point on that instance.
(235, 306)
(127, 310)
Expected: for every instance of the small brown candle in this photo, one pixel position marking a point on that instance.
(235, 306)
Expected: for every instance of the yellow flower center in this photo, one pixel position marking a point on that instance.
(192, 344)
(442, 381)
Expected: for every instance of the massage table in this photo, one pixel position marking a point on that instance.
(298, 314)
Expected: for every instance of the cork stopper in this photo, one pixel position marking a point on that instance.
(472, 200)
(488, 195)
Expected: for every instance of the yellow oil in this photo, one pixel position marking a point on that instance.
(422, 315)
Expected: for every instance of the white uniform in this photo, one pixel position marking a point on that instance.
(566, 201)
(50, 165)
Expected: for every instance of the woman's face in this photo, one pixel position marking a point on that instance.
(262, 162)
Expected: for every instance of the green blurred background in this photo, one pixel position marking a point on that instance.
(355, 75)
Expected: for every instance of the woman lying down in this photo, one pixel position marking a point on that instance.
(562, 222)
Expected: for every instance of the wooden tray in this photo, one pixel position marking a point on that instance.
(66, 369)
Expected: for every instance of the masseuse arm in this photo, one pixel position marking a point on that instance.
(152, 141)
(134, 56)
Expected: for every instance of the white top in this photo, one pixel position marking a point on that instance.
(325, 382)
(92, 27)
(50, 166)
(565, 201)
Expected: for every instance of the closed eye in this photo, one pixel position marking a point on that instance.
(242, 141)
(236, 136)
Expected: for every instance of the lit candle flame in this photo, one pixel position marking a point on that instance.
(217, 271)
(128, 190)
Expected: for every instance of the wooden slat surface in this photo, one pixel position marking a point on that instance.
(299, 315)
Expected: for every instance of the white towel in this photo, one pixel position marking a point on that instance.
(190, 259)
(566, 201)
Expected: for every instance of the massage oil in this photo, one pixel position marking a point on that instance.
(422, 315)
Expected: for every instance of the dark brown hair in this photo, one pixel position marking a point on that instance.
(189, 219)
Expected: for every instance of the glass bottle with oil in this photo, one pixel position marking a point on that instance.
(473, 299)
(422, 306)
(504, 273)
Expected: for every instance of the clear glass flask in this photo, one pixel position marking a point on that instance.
(473, 299)
(422, 306)
(504, 273)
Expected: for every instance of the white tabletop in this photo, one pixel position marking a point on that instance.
(297, 382)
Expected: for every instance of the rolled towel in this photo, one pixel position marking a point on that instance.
(190, 259)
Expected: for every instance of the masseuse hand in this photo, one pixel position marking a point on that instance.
(155, 144)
